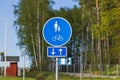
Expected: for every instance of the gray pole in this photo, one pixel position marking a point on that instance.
(117, 71)
(81, 59)
(107, 70)
(56, 68)
(67, 68)
(24, 68)
(23, 52)
(90, 69)
(80, 65)
(5, 47)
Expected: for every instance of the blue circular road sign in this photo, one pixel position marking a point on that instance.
(57, 31)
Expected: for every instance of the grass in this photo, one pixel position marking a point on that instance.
(36, 75)
(112, 71)
(14, 78)
(51, 76)
(41, 75)
(62, 77)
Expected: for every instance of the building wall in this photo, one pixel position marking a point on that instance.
(12, 70)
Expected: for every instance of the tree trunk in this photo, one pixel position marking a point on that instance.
(42, 38)
(99, 38)
(33, 44)
(39, 40)
(108, 47)
(105, 51)
(86, 52)
(92, 50)
(34, 51)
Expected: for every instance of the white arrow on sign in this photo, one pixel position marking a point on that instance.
(60, 50)
(68, 60)
(53, 52)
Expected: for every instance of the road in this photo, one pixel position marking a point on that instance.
(89, 75)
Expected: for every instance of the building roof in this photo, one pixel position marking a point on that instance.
(11, 58)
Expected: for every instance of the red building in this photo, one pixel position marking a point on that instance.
(12, 70)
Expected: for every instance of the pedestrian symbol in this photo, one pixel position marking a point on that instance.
(57, 27)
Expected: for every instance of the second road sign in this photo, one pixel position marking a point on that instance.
(56, 52)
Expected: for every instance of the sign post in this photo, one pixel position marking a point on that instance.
(57, 32)
(57, 68)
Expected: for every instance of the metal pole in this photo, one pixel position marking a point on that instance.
(5, 48)
(56, 68)
(74, 67)
(117, 71)
(24, 68)
(90, 69)
(81, 59)
(81, 68)
(107, 70)
(67, 69)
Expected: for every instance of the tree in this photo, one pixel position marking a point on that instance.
(110, 27)
(31, 16)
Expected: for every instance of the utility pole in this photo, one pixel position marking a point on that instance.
(24, 66)
(5, 48)
(99, 38)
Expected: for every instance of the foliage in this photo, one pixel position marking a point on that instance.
(110, 26)
(31, 16)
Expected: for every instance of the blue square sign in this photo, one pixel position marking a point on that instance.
(56, 51)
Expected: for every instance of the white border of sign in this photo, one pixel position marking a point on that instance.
(64, 42)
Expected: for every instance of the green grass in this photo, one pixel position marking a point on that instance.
(62, 77)
(14, 78)
(112, 71)
(36, 75)
(51, 76)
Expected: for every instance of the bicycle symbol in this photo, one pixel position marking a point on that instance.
(57, 37)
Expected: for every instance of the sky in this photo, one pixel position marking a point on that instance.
(6, 19)
(65, 3)
(7, 16)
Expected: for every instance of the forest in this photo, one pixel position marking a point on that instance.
(96, 32)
